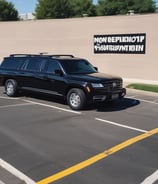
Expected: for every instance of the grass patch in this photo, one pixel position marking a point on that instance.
(145, 87)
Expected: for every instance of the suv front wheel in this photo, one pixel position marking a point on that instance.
(76, 99)
(11, 87)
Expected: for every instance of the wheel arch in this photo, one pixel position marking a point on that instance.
(7, 78)
(74, 86)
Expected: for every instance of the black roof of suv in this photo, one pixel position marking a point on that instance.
(74, 79)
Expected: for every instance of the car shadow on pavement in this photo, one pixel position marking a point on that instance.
(116, 105)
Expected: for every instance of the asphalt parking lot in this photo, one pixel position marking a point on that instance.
(46, 142)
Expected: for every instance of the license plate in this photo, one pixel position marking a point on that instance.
(115, 96)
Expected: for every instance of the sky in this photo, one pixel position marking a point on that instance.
(28, 6)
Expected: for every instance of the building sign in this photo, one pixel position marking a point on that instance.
(120, 43)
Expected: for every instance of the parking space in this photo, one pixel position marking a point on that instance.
(41, 137)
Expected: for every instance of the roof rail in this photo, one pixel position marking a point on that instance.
(29, 55)
(14, 55)
(63, 55)
(43, 54)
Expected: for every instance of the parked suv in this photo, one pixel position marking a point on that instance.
(72, 78)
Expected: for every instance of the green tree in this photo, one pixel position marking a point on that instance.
(46, 9)
(115, 7)
(147, 6)
(81, 7)
(7, 11)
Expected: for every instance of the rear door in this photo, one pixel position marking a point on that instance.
(39, 75)
(29, 73)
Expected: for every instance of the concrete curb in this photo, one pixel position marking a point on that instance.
(127, 81)
(132, 80)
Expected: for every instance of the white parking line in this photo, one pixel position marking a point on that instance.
(147, 101)
(151, 179)
(1, 182)
(143, 100)
(9, 98)
(53, 107)
(16, 172)
(29, 102)
(120, 125)
(15, 105)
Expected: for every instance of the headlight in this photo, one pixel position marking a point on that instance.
(97, 85)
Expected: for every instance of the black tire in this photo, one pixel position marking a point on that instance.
(76, 99)
(11, 87)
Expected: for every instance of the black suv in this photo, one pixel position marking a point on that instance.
(74, 79)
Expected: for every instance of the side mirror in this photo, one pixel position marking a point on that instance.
(58, 72)
(96, 69)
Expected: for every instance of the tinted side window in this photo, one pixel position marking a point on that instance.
(12, 63)
(77, 66)
(52, 66)
(33, 64)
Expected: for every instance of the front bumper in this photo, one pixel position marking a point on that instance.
(100, 96)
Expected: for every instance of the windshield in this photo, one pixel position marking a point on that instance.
(77, 66)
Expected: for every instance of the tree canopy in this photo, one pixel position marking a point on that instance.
(115, 7)
(77, 8)
(7, 11)
(64, 8)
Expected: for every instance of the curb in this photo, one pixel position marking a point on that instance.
(127, 81)
(131, 80)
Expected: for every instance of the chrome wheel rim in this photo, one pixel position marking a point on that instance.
(10, 88)
(75, 100)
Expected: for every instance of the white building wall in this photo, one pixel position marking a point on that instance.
(26, 16)
(75, 36)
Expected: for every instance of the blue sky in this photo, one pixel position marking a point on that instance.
(28, 6)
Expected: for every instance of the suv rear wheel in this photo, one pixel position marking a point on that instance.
(76, 99)
(11, 87)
